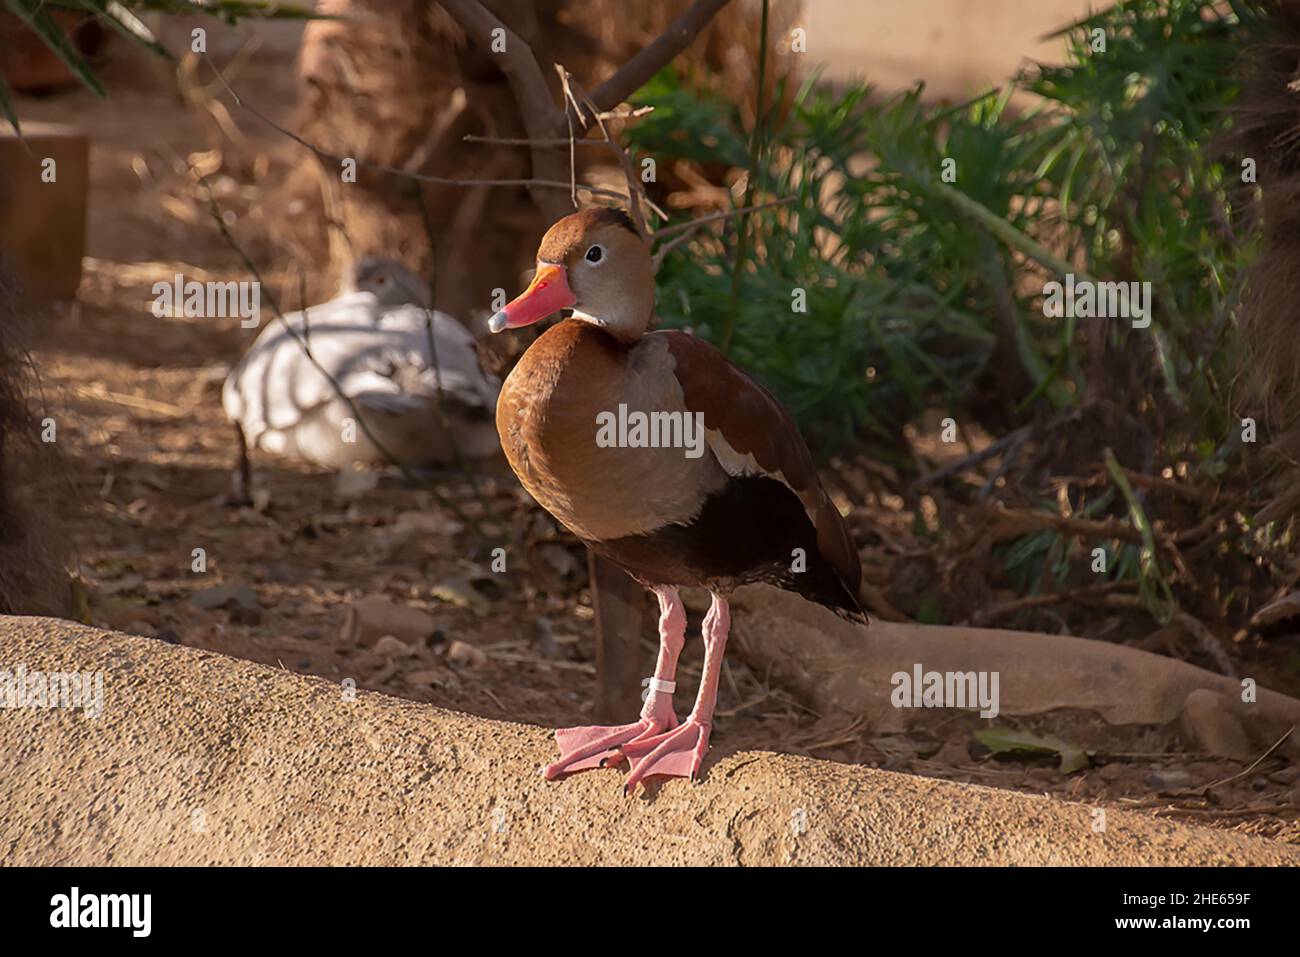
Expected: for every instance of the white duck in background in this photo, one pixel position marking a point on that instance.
(374, 341)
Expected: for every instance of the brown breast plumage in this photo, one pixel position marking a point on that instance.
(547, 417)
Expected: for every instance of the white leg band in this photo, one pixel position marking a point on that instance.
(658, 684)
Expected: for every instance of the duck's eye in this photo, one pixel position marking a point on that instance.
(595, 254)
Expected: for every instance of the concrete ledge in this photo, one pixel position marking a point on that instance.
(202, 759)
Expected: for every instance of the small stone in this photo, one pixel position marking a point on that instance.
(239, 615)
(954, 754)
(560, 559)
(391, 647)
(118, 586)
(1169, 779)
(354, 482)
(427, 677)
(1043, 775)
(369, 619)
(1209, 725)
(282, 574)
(1287, 775)
(460, 592)
(227, 595)
(1112, 772)
(463, 655)
(426, 523)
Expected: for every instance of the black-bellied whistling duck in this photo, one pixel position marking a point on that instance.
(718, 492)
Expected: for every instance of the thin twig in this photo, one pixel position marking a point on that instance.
(1213, 812)
(994, 612)
(447, 118)
(635, 188)
(443, 419)
(530, 182)
(699, 221)
(1149, 555)
(634, 74)
(557, 142)
(1245, 772)
(1008, 460)
(1204, 637)
(683, 231)
(573, 153)
(1011, 439)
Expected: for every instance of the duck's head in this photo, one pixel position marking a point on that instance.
(391, 283)
(595, 263)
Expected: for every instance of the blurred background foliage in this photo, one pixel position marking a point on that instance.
(922, 235)
(913, 295)
(121, 16)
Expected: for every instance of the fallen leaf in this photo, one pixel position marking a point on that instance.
(1006, 741)
(459, 592)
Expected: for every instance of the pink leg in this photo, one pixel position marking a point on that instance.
(680, 751)
(592, 747)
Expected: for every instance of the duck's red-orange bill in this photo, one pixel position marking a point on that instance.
(548, 292)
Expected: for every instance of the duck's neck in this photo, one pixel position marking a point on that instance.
(626, 323)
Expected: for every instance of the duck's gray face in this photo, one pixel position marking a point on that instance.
(391, 283)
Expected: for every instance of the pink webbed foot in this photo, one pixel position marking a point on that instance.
(677, 753)
(592, 747)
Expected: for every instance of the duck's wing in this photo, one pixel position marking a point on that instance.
(431, 352)
(277, 383)
(750, 433)
(380, 359)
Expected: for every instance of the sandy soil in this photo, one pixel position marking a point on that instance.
(271, 768)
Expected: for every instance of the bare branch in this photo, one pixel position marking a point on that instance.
(625, 114)
(633, 74)
(568, 117)
(541, 118)
(635, 188)
(517, 61)
(448, 117)
(725, 214)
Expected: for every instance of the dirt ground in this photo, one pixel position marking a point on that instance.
(147, 471)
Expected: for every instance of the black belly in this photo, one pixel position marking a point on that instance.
(746, 532)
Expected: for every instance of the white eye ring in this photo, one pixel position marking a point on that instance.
(599, 254)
